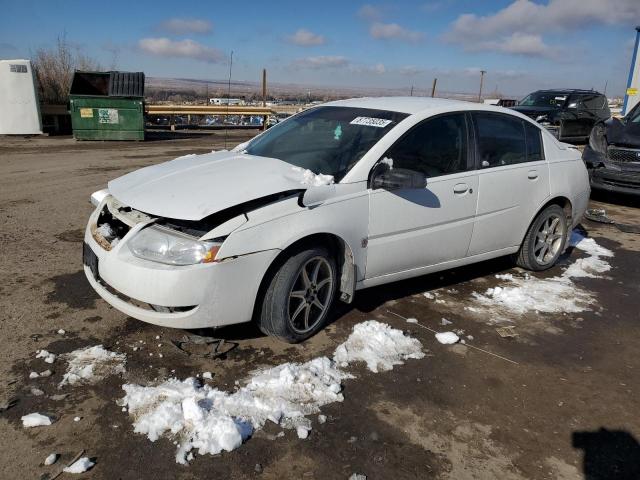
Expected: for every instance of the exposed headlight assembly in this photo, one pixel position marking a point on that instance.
(163, 245)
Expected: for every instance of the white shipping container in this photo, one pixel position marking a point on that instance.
(19, 107)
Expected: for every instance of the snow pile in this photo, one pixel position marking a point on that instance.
(210, 421)
(91, 364)
(313, 179)
(551, 295)
(447, 338)
(47, 356)
(378, 345)
(35, 420)
(79, 466)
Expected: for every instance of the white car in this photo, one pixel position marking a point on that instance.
(340, 197)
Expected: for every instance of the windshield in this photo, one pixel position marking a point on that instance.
(544, 99)
(326, 140)
(634, 115)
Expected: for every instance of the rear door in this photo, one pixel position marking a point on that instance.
(415, 227)
(513, 180)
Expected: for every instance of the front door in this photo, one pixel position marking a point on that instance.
(417, 226)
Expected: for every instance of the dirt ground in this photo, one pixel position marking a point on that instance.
(560, 401)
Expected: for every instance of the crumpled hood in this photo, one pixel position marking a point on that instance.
(195, 186)
(622, 133)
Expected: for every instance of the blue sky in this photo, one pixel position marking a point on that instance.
(522, 44)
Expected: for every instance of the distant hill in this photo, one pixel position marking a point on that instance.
(288, 91)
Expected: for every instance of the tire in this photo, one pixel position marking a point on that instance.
(545, 240)
(295, 306)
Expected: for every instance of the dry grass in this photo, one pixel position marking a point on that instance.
(54, 69)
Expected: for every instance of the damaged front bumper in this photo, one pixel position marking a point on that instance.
(192, 296)
(605, 174)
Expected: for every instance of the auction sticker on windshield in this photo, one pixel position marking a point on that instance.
(370, 122)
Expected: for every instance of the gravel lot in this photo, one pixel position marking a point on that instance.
(557, 401)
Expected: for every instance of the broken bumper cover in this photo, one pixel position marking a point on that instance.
(607, 176)
(195, 296)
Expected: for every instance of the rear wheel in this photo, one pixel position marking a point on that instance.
(544, 242)
(299, 295)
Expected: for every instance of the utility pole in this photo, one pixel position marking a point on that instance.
(226, 119)
(433, 87)
(482, 72)
(411, 94)
(265, 118)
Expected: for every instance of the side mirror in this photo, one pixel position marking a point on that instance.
(392, 178)
(314, 196)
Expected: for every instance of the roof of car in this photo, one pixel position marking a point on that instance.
(408, 105)
(568, 90)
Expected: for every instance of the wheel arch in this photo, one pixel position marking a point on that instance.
(560, 200)
(343, 255)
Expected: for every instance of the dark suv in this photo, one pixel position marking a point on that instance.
(568, 114)
(613, 154)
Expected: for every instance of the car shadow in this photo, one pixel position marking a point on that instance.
(370, 299)
(608, 454)
(624, 200)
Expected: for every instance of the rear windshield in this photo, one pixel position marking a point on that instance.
(326, 140)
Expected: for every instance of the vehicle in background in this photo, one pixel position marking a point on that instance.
(568, 114)
(340, 197)
(500, 102)
(613, 154)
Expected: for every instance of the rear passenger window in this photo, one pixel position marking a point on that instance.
(501, 139)
(534, 143)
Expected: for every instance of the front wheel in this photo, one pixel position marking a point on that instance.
(544, 242)
(299, 295)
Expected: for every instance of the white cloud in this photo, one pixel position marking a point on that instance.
(305, 38)
(370, 13)
(411, 70)
(185, 25)
(165, 47)
(377, 69)
(322, 61)
(518, 28)
(393, 31)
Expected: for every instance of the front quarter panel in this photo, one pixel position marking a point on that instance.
(279, 225)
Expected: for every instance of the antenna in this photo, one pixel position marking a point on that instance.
(226, 125)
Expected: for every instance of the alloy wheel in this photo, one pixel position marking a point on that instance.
(548, 240)
(310, 295)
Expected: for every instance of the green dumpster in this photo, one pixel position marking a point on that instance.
(107, 105)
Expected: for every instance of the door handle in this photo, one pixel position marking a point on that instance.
(460, 188)
(532, 175)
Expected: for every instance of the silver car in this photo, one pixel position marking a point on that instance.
(340, 197)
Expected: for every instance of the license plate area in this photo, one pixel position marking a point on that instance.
(90, 259)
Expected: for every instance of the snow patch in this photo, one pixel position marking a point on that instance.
(200, 417)
(91, 364)
(555, 294)
(447, 338)
(35, 420)
(79, 466)
(378, 345)
(51, 459)
(313, 179)
(47, 356)
(106, 231)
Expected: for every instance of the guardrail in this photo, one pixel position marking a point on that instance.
(208, 110)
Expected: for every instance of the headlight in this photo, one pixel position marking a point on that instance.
(163, 245)
(597, 139)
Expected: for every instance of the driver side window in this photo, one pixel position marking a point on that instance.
(435, 147)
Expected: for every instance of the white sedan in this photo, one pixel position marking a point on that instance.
(338, 198)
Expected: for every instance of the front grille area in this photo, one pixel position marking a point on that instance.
(623, 155)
